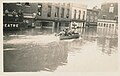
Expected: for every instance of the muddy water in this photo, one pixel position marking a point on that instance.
(39, 50)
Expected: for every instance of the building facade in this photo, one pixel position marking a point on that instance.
(54, 15)
(78, 14)
(50, 15)
(109, 11)
(92, 17)
(108, 15)
(18, 15)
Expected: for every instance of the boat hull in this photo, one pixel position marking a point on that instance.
(69, 37)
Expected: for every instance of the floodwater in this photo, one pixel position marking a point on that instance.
(39, 50)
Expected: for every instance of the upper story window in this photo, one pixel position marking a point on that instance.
(62, 12)
(67, 15)
(40, 9)
(68, 4)
(79, 14)
(49, 11)
(104, 16)
(95, 13)
(83, 15)
(75, 14)
(111, 8)
(96, 18)
(56, 11)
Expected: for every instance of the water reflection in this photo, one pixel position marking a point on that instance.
(46, 58)
(35, 56)
(108, 40)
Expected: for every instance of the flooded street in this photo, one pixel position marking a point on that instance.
(39, 50)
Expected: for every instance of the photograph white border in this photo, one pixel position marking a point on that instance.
(117, 73)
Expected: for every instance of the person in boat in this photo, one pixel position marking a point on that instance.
(64, 32)
(71, 32)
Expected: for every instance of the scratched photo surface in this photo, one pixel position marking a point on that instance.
(76, 36)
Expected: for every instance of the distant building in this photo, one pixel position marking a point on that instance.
(109, 11)
(40, 14)
(49, 15)
(92, 17)
(55, 15)
(107, 23)
(78, 14)
(108, 15)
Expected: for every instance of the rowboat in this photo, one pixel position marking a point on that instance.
(73, 36)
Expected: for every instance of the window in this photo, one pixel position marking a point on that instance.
(49, 11)
(40, 9)
(95, 13)
(107, 25)
(96, 18)
(75, 14)
(68, 4)
(111, 9)
(83, 15)
(116, 18)
(91, 18)
(112, 24)
(67, 15)
(79, 14)
(88, 18)
(56, 12)
(104, 24)
(99, 24)
(62, 13)
(104, 16)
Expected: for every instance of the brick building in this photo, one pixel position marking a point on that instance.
(92, 17)
(109, 11)
(108, 16)
(55, 15)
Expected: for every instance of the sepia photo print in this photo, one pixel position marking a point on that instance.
(60, 36)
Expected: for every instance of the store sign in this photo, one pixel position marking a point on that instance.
(10, 25)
